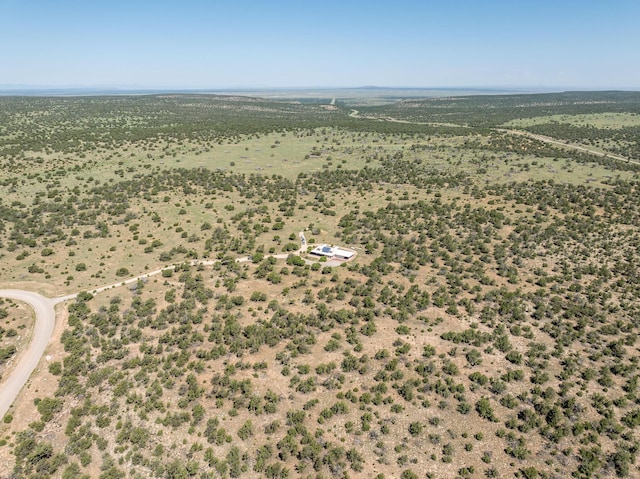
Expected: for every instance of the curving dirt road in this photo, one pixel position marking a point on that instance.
(548, 139)
(44, 309)
(28, 360)
(535, 136)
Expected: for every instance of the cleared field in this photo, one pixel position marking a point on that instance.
(610, 121)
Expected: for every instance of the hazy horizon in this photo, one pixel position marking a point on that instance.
(287, 91)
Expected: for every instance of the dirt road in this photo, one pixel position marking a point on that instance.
(29, 359)
(44, 309)
(548, 139)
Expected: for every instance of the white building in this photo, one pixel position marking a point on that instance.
(332, 252)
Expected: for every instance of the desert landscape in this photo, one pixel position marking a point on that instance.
(482, 321)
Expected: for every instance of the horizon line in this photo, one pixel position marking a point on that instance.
(31, 87)
(290, 93)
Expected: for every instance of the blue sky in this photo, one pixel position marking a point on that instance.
(589, 44)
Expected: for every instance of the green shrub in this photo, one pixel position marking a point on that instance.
(167, 273)
(122, 272)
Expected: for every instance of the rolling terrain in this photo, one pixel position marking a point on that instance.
(487, 326)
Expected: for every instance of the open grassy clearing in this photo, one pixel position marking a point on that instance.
(487, 327)
(597, 120)
(162, 220)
